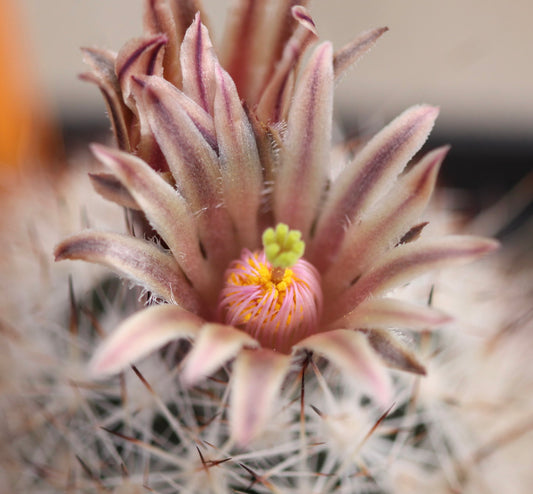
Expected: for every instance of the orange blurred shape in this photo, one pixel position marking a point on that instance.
(28, 136)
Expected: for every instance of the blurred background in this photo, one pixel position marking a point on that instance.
(473, 59)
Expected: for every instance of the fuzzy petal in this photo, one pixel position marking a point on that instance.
(368, 177)
(215, 345)
(256, 380)
(110, 188)
(394, 353)
(385, 313)
(351, 351)
(405, 263)
(164, 207)
(384, 225)
(141, 334)
(275, 99)
(353, 51)
(242, 178)
(197, 65)
(103, 75)
(304, 157)
(139, 260)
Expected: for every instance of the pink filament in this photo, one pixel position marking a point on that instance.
(249, 301)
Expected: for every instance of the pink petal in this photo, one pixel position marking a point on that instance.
(393, 352)
(240, 166)
(103, 75)
(304, 156)
(384, 224)
(141, 334)
(367, 178)
(353, 51)
(384, 313)
(215, 345)
(139, 260)
(405, 263)
(110, 188)
(351, 352)
(197, 65)
(256, 380)
(165, 208)
(276, 97)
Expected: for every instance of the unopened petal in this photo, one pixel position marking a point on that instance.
(276, 97)
(141, 334)
(138, 57)
(253, 42)
(103, 75)
(171, 19)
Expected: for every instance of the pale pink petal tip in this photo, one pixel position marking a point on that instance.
(141, 334)
(257, 378)
(351, 352)
(215, 345)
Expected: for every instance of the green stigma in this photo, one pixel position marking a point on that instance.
(283, 247)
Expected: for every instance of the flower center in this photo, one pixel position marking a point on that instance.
(273, 294)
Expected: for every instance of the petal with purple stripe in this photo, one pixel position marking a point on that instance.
(197, 65)
(241, 170)
(384, 225)
(301, 177)
(349, 54)
(138, 57)
(368, 177)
